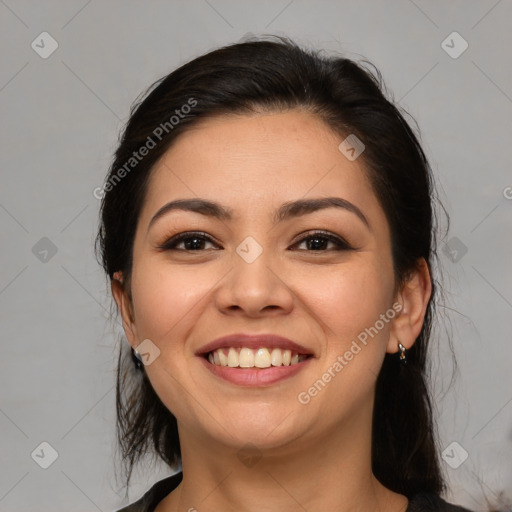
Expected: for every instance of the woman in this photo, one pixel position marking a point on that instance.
(268, 230)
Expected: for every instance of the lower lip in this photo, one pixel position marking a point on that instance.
(254, 377)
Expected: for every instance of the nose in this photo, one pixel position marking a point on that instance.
(254, 289)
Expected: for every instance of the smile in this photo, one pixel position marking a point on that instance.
(244, 357)
(259, 367)
(254, 360)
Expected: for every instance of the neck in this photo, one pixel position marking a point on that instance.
(332, 473)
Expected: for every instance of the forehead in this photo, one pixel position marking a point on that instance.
(253, 162)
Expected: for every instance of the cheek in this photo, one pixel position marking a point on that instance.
(349, 305)
(163, 298)
(166, 302)
(348, 299)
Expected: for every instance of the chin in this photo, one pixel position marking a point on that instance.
(268, 428)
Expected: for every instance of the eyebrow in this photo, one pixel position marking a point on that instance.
(286, 211)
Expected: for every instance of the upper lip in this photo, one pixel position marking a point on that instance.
(239, 340)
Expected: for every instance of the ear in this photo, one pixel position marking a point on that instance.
(413, 299)
(124, 305)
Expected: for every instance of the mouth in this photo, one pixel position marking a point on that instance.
(254, 360)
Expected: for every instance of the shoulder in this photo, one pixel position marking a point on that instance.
(427, 502)
(149, 501)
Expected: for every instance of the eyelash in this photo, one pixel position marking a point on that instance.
(171, 243)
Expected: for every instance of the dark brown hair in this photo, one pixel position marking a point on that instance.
(350, 97)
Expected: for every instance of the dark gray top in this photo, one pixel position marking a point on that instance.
(421, 502)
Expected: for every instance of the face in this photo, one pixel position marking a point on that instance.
(319, 277)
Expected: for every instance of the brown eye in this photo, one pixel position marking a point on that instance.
(191, 242)
(318, 241)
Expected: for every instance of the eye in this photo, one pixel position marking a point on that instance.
(191, 241)
(194, 242)
(319, 239)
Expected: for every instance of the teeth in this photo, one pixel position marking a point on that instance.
(232, 358)
(262, 358)
(249, 358)
(277, 357)
(223, 357)
(246, 358)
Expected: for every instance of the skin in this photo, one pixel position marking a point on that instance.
(323, 299)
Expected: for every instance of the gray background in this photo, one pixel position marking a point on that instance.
(60, 119)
